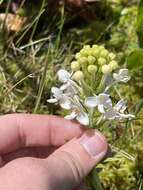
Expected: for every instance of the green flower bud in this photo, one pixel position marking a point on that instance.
(83, 60)
(92, 69)
(78, 76)
(95, 52)
(75, 66)
(91, 59)
(113, 64)
(106, 69)
(101, 48)
(78, 55)
(112, 56)
(104, 53)
(84, 52)
(102, 61)
(94, 46)
(86, 47)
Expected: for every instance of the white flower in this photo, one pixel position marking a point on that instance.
(101, 101)
(69, 86)
(117, 112)
(78, 112)
(63, 75)
(81, 117)
(59, 96)
(122, 76)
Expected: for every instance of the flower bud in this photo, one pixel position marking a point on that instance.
(106, 69)
(78, 76)
(78, 55)
(104, 53)
(86, 47)
(95, 52)
(113, 64)
(101, 61)
(91, 59)
(84, 52)
(75, 66)
(92, 69)
(83, 60)
(101, 48)
(94, 46)
(112, 56)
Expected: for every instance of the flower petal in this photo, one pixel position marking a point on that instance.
(52, 100)
(63, 75)
(120, 106)
(105, 100)
(65, 86)
(125, 116)
(83, 118)
(91, 102)
(71, 116)
(65, 103)
(122, 76)
(101, 108)
(57, 93)
(110, 114)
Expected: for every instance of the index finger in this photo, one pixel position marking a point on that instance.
(27, 130)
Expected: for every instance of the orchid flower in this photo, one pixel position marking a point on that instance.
(59, 96)
(69, 86)
(122, 76)
(102, 101)
(117, 112)
(63, 75)
(78, 112)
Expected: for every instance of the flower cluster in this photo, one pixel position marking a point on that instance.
(94, 59)
(78, 94)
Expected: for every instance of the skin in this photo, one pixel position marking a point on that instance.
(44, 152)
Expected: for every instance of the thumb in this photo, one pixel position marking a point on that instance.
(68, 165)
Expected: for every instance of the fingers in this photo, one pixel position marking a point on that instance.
(27, 130)
(82, 186)
(73, 161)
(35, 152)
(76, 3)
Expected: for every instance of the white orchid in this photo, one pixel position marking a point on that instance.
(78, 112)
(60, 97)
(117, 112)
(122, 76)
(102, 101)
(69, 86)
(63, 75)
(81, 117)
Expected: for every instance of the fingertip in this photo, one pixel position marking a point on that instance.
(94, 143)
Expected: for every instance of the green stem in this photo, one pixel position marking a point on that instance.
(95, 181)
(62, 21)
(94, 175)
(36, 23)
(101, 85)
(41, 86)
(91, 119)
(6, 14)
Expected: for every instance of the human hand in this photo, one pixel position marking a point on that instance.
(39, 152)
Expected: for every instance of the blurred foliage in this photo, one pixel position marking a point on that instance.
(140, 23)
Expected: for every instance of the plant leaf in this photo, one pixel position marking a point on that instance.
(135, 60)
